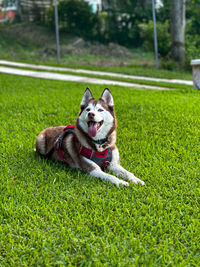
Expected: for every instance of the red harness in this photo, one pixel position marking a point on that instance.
(100, 158)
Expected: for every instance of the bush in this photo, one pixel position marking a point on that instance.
(121, 28)
(168, 64)
(163, 36)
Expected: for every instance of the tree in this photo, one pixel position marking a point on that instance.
(76, 17)
(178, 30)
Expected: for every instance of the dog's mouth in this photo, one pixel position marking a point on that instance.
(93, 128)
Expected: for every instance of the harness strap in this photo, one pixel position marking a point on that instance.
(100, 158)
(67, 130)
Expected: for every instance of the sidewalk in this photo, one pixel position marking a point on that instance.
(75, 78)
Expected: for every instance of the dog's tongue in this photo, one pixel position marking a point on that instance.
(92, 129)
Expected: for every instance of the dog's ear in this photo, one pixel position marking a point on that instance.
(86, 97)
(107, 97)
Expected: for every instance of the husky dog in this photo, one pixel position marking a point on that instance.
(90, 144)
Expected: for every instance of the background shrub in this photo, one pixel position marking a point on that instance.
(146, 32)
(192, 45)
(75, 16)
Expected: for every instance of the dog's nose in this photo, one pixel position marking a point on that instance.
(91, 115)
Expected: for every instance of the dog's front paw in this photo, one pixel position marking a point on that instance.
(121, 182)
(136, 180)
(126, 184)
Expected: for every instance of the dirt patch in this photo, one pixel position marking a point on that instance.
(111, 50)
(80, 47)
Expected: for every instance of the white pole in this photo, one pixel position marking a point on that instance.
(57, 31)
(155, 34)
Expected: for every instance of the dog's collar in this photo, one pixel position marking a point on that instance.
(99, 141)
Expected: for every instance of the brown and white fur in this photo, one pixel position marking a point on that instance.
(99, 113)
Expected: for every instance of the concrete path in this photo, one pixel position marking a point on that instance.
(74, 78)
(98, 73)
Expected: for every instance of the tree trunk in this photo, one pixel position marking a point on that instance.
(178, 30)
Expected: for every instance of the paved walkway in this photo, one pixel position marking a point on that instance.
(76, 78)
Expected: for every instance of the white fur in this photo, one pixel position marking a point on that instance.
(99, 116)
(98, 173)
(86, 97)
(107, 97)
(41, 144)
(108, 177)
(68, 144)
(120, 171)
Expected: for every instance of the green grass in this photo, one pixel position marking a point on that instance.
(54, 216)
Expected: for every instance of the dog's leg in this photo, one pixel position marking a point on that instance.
(120, 171)
(108, 177)
(95, 171)
(115, 167)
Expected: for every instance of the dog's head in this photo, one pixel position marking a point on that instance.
(97, 118)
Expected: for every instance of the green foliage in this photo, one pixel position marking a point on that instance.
(122, 28)
(122, 22)
(54, 216)
(37, 13)
(169, 65)
(163, 37)
(163, 13)
(192, 15)
(75, 16)
(192, 44)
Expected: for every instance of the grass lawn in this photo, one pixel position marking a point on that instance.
(51, 215)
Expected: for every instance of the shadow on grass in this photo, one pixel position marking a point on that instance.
(58, 169)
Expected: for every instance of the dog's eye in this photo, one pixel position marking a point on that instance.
(100, 110)
(87, 109)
